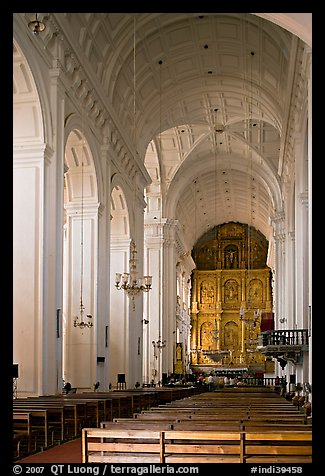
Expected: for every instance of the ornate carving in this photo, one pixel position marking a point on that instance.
(231, 336)
(219, 336)
(231, 246)
(231, 292)
(207, 292)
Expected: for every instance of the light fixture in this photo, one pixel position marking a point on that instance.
(257, 315)
(158, 345)
(36, 25)
(251, 316)
(82, 324)
(131, 284)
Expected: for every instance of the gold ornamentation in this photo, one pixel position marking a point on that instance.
(223, 283)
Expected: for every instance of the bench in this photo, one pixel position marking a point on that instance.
(17, 438)
(23, 430)
(132, 424)
(195, 446)
(278, 447)
(79, 412)
(193, 424)
(206, 446)
(38, 421)
(229, 416)
(55, 416)
(75, 412)
(126, 446)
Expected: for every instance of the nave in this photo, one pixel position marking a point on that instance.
(162, 184)
(249, 424)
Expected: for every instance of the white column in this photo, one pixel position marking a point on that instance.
(28, 212)
(153, 330)
(290, 313)
(279, 280)
(104, 276)
(310, 210)
(118, 344)
(53, 239)
(169, 296)
(38, 241)
(279, 285)
(301, 225)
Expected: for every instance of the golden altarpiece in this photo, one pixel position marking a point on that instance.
(231, 289)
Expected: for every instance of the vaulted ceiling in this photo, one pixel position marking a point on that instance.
(206, 99)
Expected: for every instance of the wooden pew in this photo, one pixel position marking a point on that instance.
(195, 446)
(55, 416)
(92, 410)
(74, 413)
(99, 407)
(148, 397)
(185, 424)
(23, 429)
(202, 446)
(132, 424)
(261, 425)
(229, 415)
(38, 419)
(278, 447)
(17, 438)
(114, 445)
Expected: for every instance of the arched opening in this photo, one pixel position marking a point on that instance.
(79, 262)
(28, 222)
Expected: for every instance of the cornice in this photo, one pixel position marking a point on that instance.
(297, 113)
(64, 58)
(98, 110)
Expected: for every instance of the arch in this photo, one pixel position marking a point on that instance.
(30, 82)
(28, 126)
(78, 155)
(121, 208)
(80, 261)
(28, 224)
(120, 225)
(190, 170)
(75, 125)
(300, 24)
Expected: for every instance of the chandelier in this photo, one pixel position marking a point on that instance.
(36, 26)
(131, 284)
(158, 345)
(82, 324)
(250, 322)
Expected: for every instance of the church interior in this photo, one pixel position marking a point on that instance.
(162, 213)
